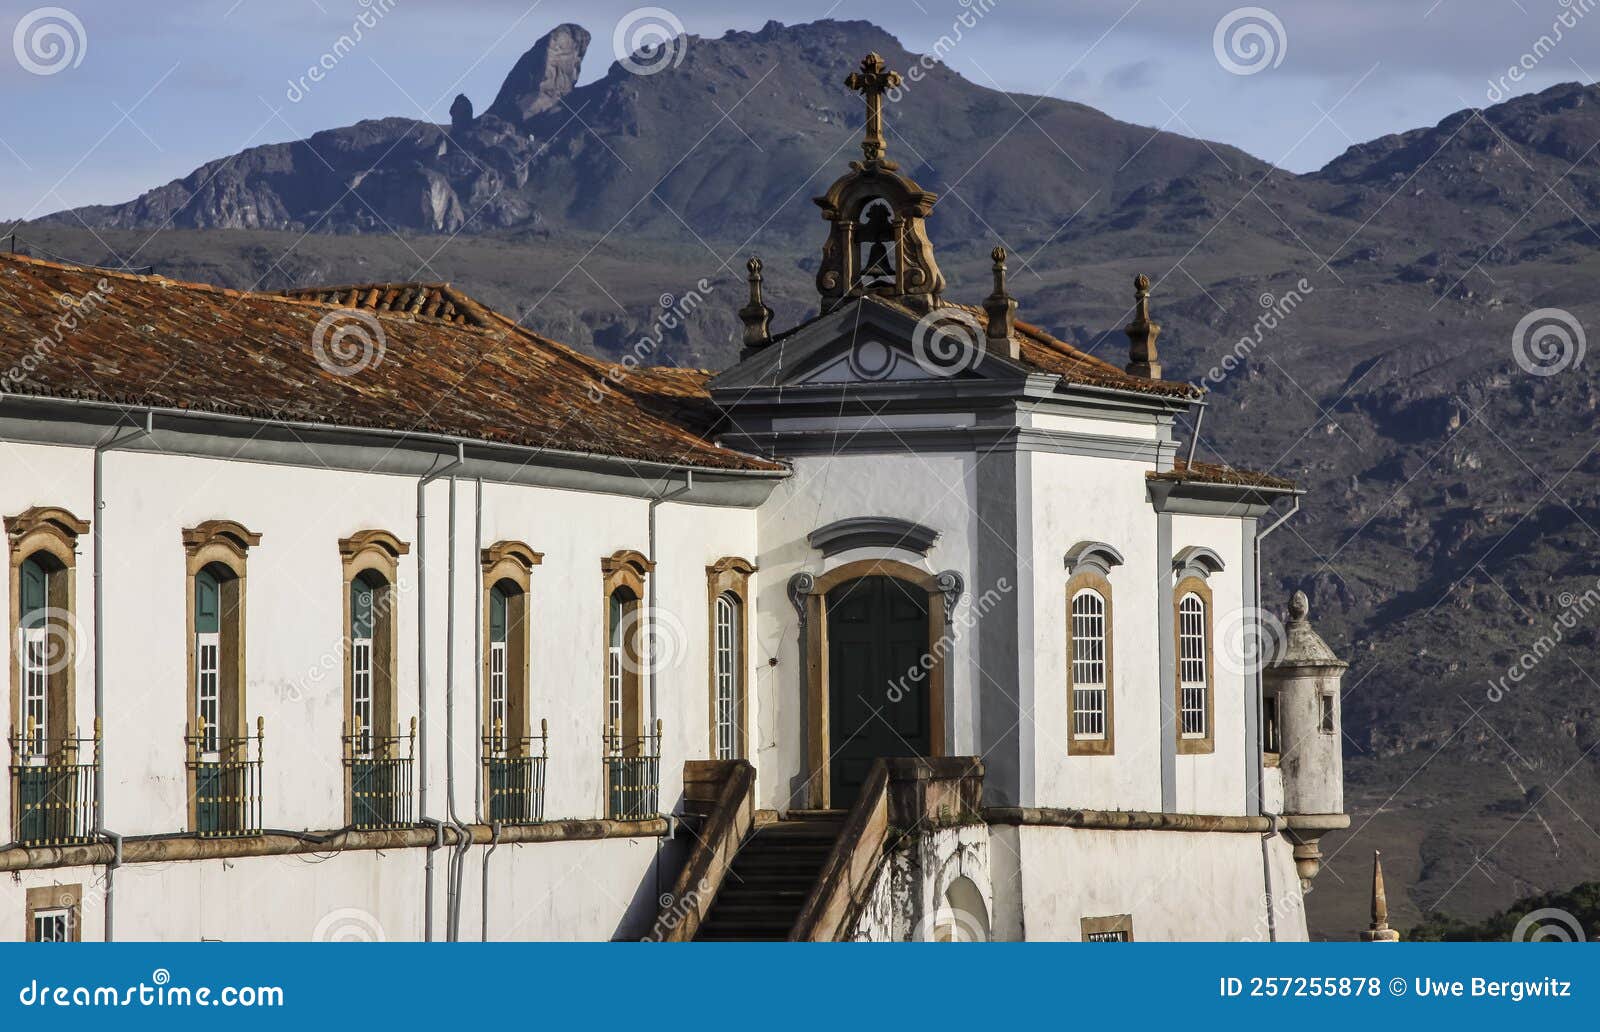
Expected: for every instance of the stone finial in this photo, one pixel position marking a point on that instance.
(1380, 930)
(1142, 333)
(872, 82)
(756, 316)
(1301, 645)
(1001, 309)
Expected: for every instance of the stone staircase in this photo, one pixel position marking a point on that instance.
(773, 874)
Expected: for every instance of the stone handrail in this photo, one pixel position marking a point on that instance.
(729, 787)
(900, 797)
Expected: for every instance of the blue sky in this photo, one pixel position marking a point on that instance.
(147, 91)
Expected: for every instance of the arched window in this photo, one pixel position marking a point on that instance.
(726, 664)
(44, 718)
(727, 588)
(498, 620)
(208, 660)
(368, 607)
(1089, 665)
(1194, 667)
(622, 672)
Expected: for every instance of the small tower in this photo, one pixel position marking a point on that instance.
(1142, 333)
(1001, 309)
(1301, 697)
(756, 316)
(1380, 930)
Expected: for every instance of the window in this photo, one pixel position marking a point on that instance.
(53, 913)
(363, 593)
(727, 587)
(207, 668)
(1326, 716)
(1089, 662)
(377, 756)
(1271, 735)
(1116, 928)
(621, 606)
(497, 668)
(34, 648)
(726, 673)
(631, 747)
(1193, 667)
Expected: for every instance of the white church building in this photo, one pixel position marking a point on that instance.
(364, 612)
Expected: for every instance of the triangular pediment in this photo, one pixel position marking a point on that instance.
(867, 342)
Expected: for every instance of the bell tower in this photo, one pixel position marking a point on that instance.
(877, 242)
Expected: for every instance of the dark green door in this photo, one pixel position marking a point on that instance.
(878, 690)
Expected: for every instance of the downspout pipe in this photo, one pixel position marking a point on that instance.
(477, 655)
(494, 843)
(98, 536)
(422, 681)
(1266, 859)
(463, 833)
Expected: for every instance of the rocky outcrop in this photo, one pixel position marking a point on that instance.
(542, 76)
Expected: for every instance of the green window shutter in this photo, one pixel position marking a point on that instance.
(498, 605)
(35, 592)
(207, 603)
(361, 601)
(616, 619)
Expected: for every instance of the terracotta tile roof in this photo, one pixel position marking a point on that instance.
(1212, 473)
(446, 364)
(1052, 355)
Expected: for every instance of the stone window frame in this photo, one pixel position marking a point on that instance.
(378, 551)
(1109, 924)
(729, 575)
(224, 543)
(1089, 565)
(626, 569)
(54, 531)
(511, 561)
(1203, 744)
(43, 898)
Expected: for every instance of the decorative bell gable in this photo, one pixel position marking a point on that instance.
(878, 243)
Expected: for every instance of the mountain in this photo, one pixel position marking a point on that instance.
(1358, 328)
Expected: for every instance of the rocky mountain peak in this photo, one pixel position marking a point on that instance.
(542, 76)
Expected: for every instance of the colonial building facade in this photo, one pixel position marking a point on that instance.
(364, 612)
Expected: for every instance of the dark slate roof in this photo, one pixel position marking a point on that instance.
(447, 364)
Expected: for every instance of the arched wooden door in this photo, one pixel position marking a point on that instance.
(879, 687)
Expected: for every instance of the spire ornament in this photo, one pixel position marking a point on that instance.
(1001, 309)
(872, 82)
(756, 316)
(1142, 333)
(1380, 930)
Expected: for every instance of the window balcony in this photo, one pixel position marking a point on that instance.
(380, 769)
(225, 779)
(53, 788)
(633, 775)
(513, 775)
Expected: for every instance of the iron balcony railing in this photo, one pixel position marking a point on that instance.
(633, 775)
(225, 777)
(514, 775)
(381, 778)
(53, 787)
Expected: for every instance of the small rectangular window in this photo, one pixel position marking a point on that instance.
(1270, 741)
(1327, 723)
(53, 913)
(52, 925)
